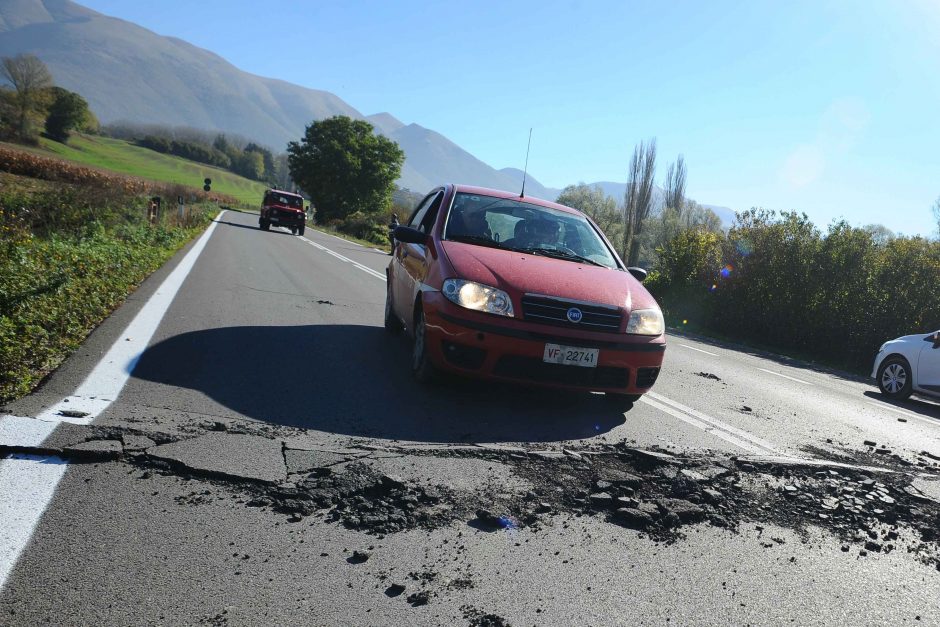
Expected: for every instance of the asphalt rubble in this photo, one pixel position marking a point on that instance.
(872, 508)
(868, 499)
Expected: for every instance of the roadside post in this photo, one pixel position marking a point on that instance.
(179, 201)
(153, 210)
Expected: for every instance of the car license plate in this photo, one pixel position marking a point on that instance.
(570, 356)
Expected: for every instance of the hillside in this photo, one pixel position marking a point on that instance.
(124, 158)
(128, 73)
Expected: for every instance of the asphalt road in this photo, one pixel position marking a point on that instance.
(277, 338)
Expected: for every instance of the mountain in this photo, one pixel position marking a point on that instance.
(131, 74)
(128, 73)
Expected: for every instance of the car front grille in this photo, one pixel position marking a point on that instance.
(553, 311)
(534, 369)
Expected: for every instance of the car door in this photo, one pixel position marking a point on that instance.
(928, 364)
(415, 257)
(410, 258)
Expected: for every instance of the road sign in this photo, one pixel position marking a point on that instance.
(206, 188)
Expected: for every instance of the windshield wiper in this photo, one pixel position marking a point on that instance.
(479, 240)
(560, 254)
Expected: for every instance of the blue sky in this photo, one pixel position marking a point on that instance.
(827, 107)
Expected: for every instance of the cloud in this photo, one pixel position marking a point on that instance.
(804, 166)
(841, 126)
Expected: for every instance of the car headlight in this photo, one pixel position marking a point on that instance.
(646, 322)
(477, 296)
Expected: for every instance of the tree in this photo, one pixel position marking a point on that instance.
(30, 79)
(880, 234)
(638, 199)
(599, 206)
(68, 112)
(674, 185)
(345, 167)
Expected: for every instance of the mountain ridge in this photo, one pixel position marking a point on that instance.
(128, 73)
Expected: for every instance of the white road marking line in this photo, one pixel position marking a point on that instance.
(929, 421)
(356, 264)
(106, 381)
(722, 429)
(785, 376)
(747, 446)
(28, 482)
(699, 350)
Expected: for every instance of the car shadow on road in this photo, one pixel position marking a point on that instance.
(913, 405)
(356, 380)
(252, 227)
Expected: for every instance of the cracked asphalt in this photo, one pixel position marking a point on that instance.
(270, 461)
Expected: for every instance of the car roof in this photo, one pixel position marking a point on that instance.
(498, 193)
(281, 191)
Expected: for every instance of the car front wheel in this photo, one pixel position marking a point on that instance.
(421, 366)
(895, 379)
(392, 323)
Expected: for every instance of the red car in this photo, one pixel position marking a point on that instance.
(282, 208)
(497, 286)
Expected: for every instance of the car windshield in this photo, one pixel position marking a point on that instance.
(518, 225)
(287, 200)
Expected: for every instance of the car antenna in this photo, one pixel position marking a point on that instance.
(526, 170)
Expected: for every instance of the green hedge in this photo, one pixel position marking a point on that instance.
(57, 286)
(777, 281)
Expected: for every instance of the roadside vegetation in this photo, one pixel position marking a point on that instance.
(777, 281)
(73, 243)
(773, 280)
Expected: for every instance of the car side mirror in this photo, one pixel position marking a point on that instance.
(638, 273)
(934, 338)
(409, 235)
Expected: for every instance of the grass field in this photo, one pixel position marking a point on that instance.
(125, 158)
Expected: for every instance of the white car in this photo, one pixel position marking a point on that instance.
(909, 364)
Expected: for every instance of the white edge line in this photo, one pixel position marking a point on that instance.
(786, 376)
(28, 482)
(699, 350)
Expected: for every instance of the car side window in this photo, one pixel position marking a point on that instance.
(415, 220)
(427, 221)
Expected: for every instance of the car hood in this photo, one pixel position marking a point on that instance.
(522, 273)
(908, 339)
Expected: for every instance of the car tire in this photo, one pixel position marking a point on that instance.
(300, 230)
(621, 401)
(421, 366)
(895, 378)
(264, 225)
(392, 323)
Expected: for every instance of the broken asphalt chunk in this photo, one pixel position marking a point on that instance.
(394, 590)
(94, 450)
(359, 557)
(633, 517)
(236, 456)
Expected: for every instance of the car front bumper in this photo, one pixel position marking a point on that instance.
(485, 346)
(286, 218)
